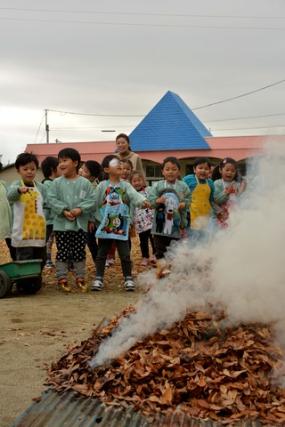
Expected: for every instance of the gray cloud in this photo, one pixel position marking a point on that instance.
(117, 69)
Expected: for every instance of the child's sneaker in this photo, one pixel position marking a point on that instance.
(63, 284)
(144, 262)
(129, 285)
(153, 260)
(97, 285)
(81, 284)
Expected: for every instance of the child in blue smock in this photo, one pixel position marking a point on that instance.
(113, 215)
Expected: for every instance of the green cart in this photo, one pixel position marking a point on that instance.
(26, 275)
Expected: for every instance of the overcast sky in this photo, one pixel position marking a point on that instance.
(121, 57)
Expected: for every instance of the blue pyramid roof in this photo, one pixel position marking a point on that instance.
(170, 125)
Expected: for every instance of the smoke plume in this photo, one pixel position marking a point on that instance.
(240, 270)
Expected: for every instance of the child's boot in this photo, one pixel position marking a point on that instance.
(63, 284)
(80, 282)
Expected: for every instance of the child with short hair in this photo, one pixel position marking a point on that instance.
(92, 171)
(113, 199)
(202, 197)
(170, 198)
(127, 169)
(27, 198)
(143, 220)
(71, 198)
(50, 171)
(227, 189)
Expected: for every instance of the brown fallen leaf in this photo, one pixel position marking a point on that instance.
(225, 376)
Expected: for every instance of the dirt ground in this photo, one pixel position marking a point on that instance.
(36, 329)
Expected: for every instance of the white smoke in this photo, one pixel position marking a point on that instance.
(241, 270)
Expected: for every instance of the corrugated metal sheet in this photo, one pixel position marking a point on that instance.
(69, 410)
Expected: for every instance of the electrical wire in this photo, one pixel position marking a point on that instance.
(248, 128)
(95, 114)
(138, 24)
(242, 95)
(246, 118)
(178, 15)
(82, 129)
(229, 119)
(38, 129)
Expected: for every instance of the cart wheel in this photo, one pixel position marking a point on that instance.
(29, 286)
(5, 284)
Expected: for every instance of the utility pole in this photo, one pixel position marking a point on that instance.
(47, 126)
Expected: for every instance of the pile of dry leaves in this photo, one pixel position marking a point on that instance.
(206, 372)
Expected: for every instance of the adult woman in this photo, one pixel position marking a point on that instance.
(125, 152)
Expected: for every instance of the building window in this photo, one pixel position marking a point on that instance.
(189, 169)
(153, 173)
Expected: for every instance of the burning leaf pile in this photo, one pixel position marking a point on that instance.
(194, 366)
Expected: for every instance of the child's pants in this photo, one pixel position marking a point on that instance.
(145, 237)
(70, 247)
(92, 244)
(49, 240)
(123, 247)
(11, 248)
(161, 244)
(198, 236)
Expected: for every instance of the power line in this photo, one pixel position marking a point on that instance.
(127, 125)
(95, 114)
(178, 15)
(242, 95)
(138, 24)
(255, 127)
(142, 115)
(194, 109)
(246, 118)
(38, 130)
(80, 129)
